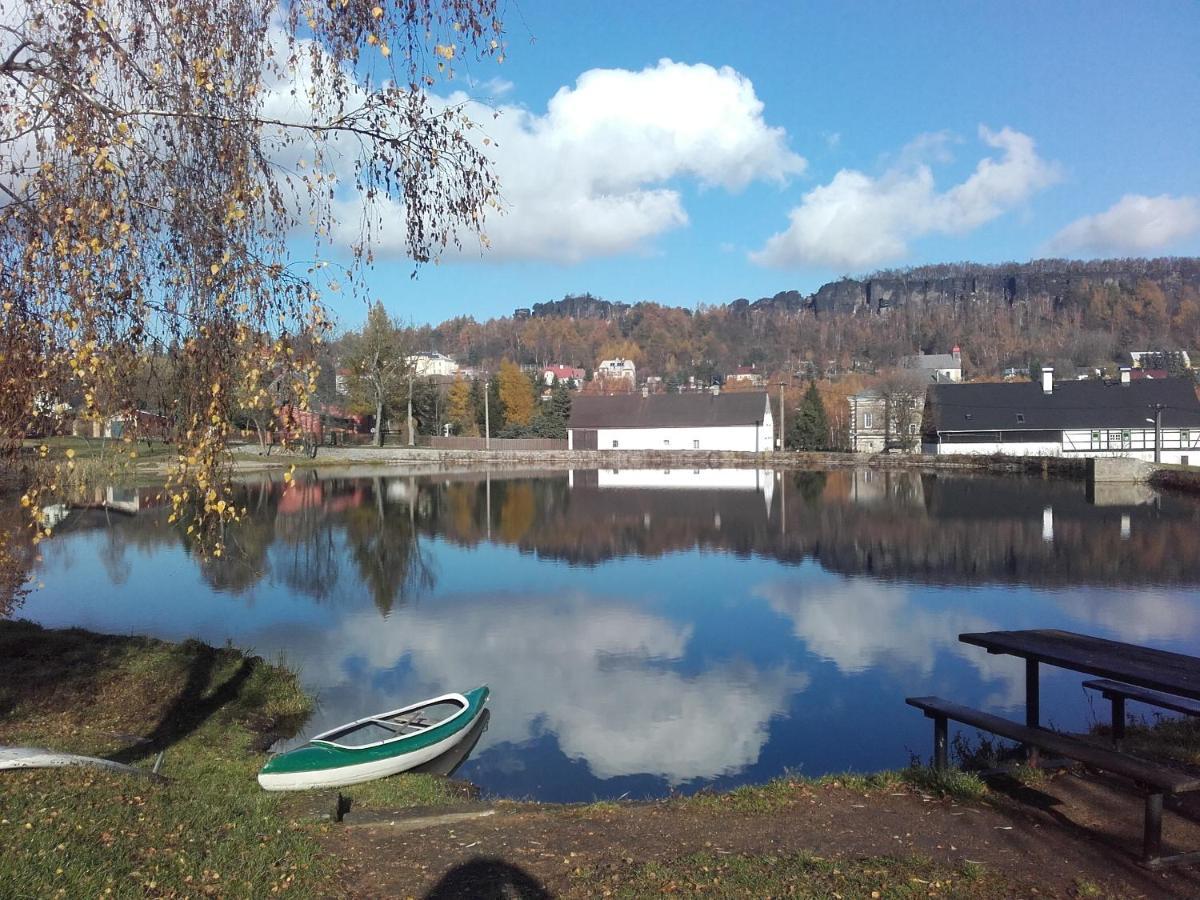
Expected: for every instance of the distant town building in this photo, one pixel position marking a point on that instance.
(521, 312)
(939, 368)
(747, 375)
(703, 420)
(341, 382)
(573, 376)
(1161, 360)
(615, 369)
(428, 364)
(1091, 418)
(889, 421)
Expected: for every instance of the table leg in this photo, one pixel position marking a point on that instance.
(1032, 705)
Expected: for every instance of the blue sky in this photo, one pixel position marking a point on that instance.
(866, 152)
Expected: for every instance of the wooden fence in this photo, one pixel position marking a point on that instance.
(477, 443)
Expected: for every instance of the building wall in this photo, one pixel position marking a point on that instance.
(1179, 446)
(752, 438)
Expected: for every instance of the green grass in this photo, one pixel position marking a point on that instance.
(1164, 738)
(406, 790)
(799, 875)
(209, 830)
(780, 792)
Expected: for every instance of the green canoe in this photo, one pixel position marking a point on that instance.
(377, 746)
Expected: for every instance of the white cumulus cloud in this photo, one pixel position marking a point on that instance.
(859, 220)
(593, 175)
(1134, 224)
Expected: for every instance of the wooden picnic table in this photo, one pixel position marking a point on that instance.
(1159, 670)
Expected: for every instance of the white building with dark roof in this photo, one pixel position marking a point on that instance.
(936, 367)
(707, 420)
(1091, 418)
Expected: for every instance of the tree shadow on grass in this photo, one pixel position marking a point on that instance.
(488, 878)
(192, 707)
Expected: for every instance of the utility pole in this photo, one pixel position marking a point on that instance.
(1158, 411)
(410, 418)
(487, 423)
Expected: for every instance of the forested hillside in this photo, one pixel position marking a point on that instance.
(1059, 312)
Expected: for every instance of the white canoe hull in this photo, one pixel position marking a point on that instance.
(360, 772)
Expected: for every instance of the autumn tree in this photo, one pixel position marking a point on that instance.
(380, 373)
(460, 409)
(516, 394)
(161, 161)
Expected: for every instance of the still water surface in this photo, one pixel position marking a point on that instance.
(650, 631)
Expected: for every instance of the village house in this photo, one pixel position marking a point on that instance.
(425, 365)
(886, 420)
(616, 370)
(1091, 418)
(747, 375)
(571, 375)
(936, 367)
(708, 420)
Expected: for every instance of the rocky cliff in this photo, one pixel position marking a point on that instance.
(1008, 283)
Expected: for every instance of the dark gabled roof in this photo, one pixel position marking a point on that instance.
(1072, 404)
(700, 408)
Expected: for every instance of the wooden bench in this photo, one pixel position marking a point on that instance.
(1154, 779)
(1118, 692)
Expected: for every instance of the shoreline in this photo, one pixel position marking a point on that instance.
(211, 830)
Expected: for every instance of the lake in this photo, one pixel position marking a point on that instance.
(646, 631)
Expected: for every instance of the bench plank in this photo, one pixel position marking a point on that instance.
(1144, 695)
(1139, 770)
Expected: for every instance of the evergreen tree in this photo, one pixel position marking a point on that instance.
(552, 417)
(495, 407)
(810, 427)
(477, 404)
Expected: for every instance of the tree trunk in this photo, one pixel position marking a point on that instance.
(378, 423)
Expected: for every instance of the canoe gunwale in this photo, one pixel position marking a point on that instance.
(322, 739)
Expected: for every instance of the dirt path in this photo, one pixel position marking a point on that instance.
(1069, 837)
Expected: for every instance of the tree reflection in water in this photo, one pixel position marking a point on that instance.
(931, 528)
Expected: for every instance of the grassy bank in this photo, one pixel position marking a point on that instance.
(210, 830)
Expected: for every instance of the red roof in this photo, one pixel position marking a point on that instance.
(560, 371)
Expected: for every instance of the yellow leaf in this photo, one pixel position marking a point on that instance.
(377, 12)
(214, 268)
(70, 454)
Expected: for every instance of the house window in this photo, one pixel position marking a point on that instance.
(667, 442)
(1020, 418)
(1126, 439)
(1096, 445)
(614, 444)
(1114, 440)
(695, 445)
(1185, 438)
(868, 420)
(912, 428)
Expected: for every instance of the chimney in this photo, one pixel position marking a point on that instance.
(715, 389)
(1124, 376)
(957, 353)
(1048, 380)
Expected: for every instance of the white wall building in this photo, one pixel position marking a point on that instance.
(617, 368)
(708, 420)
(432, 364)
(936, 367)
(1082, 419)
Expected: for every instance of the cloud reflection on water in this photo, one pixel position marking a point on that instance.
(861, 625)
(601, 676)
